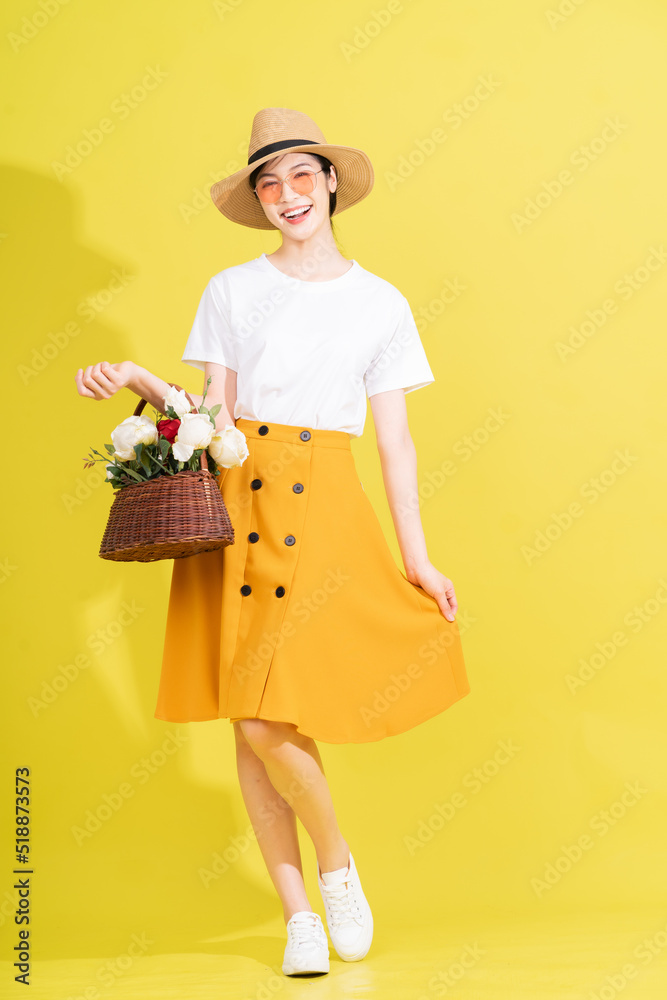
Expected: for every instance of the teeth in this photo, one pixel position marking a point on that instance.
(292, 215)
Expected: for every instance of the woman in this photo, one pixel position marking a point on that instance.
(304, 628)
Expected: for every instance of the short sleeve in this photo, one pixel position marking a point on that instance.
(401, 363)
(211, 335)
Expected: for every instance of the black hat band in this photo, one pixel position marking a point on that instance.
(274, 147)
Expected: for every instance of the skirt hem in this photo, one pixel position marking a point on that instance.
(372, 738)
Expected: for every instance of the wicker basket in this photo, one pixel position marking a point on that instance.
(168, 517)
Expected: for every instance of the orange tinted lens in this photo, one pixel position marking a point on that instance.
(302, 181)
(268, 190)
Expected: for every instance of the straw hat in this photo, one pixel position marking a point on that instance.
(276, 131)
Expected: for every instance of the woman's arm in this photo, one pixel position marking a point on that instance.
(398, 459)
(103, 380)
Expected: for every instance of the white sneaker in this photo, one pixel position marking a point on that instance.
(349, 916)
(307, 948)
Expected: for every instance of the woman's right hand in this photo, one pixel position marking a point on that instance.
(103, 380)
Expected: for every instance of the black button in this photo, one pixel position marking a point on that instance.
(298, 487)
(304, 435)
(280, 591)
(246, 589)
(290, 540)
(263, 429)
(253, 537)
(255, 484)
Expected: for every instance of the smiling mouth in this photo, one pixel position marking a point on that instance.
(293, 213)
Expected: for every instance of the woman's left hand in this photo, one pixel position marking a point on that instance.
(438, 586)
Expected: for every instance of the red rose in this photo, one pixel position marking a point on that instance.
(168, 429)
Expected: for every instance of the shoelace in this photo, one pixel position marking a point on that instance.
(304, 928)
(343, 904)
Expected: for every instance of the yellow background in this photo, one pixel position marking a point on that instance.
(138, 206)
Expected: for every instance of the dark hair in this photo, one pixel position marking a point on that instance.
(324, 163)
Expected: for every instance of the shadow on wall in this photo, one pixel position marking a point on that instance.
(151, 797)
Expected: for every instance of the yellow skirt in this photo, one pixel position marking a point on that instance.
(306, 618)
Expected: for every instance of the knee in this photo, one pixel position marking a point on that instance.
(263, 735)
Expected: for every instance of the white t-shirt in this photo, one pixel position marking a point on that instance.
(307, 352)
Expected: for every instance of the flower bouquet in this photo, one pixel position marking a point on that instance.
(168, 503)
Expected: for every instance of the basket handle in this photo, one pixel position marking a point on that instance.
(203, 464)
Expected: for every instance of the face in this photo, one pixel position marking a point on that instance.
(317, 201)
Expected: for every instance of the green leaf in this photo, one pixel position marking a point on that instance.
(110, 449)
(215, 410)
(134, 475)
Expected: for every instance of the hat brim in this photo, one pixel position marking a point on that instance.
(232, 195)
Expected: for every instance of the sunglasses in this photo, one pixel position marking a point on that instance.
(270, 189)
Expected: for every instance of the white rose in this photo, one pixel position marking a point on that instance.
(177, 399)
(196, 431)
(228, 447)
(132, 431)
(110, 471)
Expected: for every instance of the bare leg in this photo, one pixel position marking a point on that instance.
(291, 772)
(274, 823)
